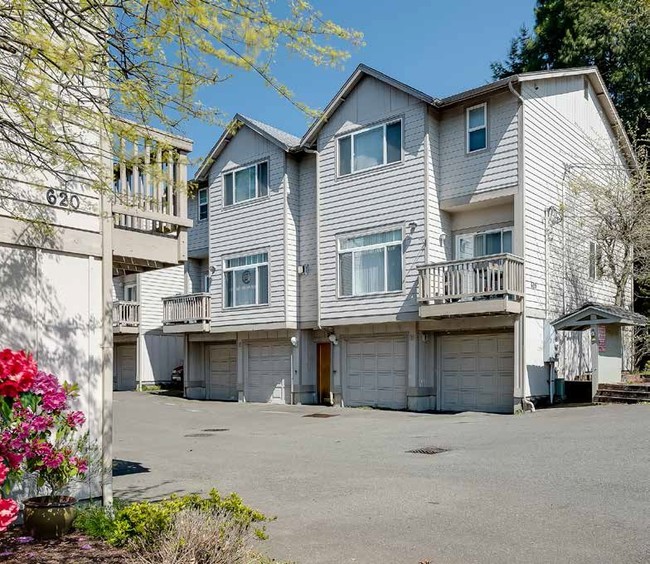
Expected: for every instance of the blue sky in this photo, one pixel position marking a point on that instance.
(440, 47)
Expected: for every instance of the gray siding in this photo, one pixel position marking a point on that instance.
(197, 269)
(462, 173)
(248, 227)
(292, 238)
(390, 196)
(154, 286)
(197, 238)
(308, 293)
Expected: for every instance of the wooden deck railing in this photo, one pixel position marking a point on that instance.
(150, 180)
(187, 308)
(126, 314)
(465, 280)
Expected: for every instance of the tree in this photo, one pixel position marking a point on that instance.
(612, 34)
(69, 67)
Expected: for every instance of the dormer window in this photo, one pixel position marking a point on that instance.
(476, 120)
(370, 148)
(246, 183)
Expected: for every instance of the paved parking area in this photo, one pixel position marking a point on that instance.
(559, 485)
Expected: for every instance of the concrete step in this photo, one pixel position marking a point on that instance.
(618, 399)
(622, 393)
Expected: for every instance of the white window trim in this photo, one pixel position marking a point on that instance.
(353, 134)
(365, 248)
(247, 267)
(487, 232)
(129, 287)
(257, 188)
(596, 269)
(469, 129)
(198, 204)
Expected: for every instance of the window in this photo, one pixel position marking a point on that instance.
(476, 128)
(472, 245)
(246, 280)
(595, 261)
(130, 293)
(370, 148)
(370, 264)
(246, 184)
(207, 281)
(203, 204)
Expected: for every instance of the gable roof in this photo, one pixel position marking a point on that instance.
(282, 139)
(592, 313)
(359, 73)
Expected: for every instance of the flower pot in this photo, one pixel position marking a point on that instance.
(49, 517)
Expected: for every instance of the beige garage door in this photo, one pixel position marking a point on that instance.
(269, 372)
(477, 372)
(376, 372)
(125, 367)
(222, 383)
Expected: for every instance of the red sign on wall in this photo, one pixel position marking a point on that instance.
(602, 338)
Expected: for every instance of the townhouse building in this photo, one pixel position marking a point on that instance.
(407, 252)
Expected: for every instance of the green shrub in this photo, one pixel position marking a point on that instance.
(144, 521)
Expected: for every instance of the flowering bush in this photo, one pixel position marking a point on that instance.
(39, 434)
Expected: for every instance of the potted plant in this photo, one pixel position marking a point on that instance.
(40, 436)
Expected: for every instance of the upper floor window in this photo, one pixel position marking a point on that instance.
(246, 280)
(130, 293)
(246, 183)
(476, 128)
(370, 148)
(203, 204)
(370, 264)
(473, 245)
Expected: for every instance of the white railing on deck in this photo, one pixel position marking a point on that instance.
(126, 314)
(478, 278)
(150, 180)
(187, 308)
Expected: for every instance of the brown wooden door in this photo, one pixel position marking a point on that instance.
(324, 368)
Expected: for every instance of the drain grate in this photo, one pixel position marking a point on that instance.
(322, 415)
(427, 450)
(215, 430)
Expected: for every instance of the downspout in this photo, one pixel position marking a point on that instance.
(526, 403)
(106, 218)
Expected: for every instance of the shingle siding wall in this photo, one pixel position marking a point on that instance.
(386, 197)
(462, 173)
(197, 239)
(249, 226)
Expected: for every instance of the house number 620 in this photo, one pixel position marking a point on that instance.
(62, 199)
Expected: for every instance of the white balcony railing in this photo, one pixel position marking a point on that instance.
(186, 309)
(126, 314)
(494, 276)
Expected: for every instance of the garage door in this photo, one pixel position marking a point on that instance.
(222, 379)
(125, 367)
(376, 372)
(269, 372)
(477, 373)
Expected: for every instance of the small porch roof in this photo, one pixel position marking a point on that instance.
(591, 313)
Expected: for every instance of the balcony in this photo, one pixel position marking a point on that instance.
(149, 203)
(126, 317)
(188, 313)
(489, 285)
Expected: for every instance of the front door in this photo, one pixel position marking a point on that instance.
(324, 368)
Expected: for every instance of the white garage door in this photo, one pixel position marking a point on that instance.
(376, 372)
(222, 382)
(477, 373)
(269, 372)
(125, 367)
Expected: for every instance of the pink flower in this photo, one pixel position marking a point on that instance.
(52, 393)
(8, 513)
(80, 464)
(17, 371)
(3, 472)
(76, 419)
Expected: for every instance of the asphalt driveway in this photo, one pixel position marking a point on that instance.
(559, 485)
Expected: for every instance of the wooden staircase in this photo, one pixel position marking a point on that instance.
(623, 393)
